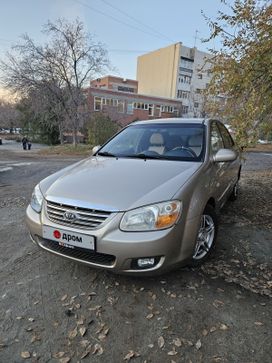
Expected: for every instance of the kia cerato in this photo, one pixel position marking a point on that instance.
(144, 202)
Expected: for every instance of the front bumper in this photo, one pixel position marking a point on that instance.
(117, 250)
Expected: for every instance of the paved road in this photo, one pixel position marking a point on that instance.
(218, 313)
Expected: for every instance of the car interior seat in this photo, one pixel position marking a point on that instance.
(156, 143)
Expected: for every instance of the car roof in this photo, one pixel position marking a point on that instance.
(176, 120)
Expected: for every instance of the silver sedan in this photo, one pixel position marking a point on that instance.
(146, 201)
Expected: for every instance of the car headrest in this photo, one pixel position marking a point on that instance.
(156, 139)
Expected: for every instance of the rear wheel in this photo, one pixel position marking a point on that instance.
(206, 235)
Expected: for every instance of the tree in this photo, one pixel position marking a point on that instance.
(9, 115)
(242, 68)
(58, 70)
(100, 128)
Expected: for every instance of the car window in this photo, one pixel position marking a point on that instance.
(216, 140)
(228, 142)
(171, 141)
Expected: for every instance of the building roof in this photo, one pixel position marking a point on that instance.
(136, 96)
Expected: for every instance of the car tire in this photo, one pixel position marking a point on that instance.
(234, 192)
(206, 236)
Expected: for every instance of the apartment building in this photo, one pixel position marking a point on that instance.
(116, 84)
(177, 72)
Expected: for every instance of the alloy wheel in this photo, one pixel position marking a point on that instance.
(205, 237)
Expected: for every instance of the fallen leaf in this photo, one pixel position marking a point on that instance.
(131, 354)
(212, 329)
(82, 331)
(160, 342)
(150, 345)
(35, 338)
(72, 334)
(149, 316)
(205, 332)
(198, 344)
(172, 352)
(98, 350)
(258, 323)
(177, 342)
(58, 355)
(64, 297)
(223, 327)
(106, 331)
(25, 355)
(64, 360)
(31, 319)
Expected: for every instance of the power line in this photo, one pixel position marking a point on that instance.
(115, 19)
(136, 20)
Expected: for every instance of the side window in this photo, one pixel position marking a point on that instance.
(228, 142)
(216, 140)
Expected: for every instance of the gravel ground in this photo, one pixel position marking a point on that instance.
(54, 310)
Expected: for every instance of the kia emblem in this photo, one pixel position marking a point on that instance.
(70, 216)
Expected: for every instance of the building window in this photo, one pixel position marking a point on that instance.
(151, 110)
(184, 109)
(199, 76)
(185, 79)
(196, 104)
(130, 108)
(115, 103)
(121, 106)
(125, 89)
(186, 63)
(183, 94)
(97, 103)
(198, 91)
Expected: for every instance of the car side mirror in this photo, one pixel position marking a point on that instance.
(95, 149)
(225, 155)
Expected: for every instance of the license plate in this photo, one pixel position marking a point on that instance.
(69, 239)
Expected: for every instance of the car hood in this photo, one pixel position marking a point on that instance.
(117, 184)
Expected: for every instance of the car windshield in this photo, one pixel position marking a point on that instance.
(168, 141)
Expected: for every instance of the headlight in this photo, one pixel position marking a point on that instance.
(36, 199)
(152, 217)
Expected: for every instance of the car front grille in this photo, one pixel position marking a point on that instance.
(82, 254)
(85, 218)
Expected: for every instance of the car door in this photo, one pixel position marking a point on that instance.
(232, 166)
(220, 182)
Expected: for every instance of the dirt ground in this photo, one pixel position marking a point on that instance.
(54, 310)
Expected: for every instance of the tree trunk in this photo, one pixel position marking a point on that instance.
(61, 134)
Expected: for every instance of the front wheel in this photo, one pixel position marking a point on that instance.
(206, 235)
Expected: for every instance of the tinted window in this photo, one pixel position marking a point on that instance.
(159, 141)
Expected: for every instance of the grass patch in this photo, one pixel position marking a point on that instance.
(68, 149)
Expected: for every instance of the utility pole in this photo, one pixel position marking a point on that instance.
(196, 37)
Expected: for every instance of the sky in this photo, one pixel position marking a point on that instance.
(128, 28)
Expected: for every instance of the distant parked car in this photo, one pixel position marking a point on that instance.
(146, 201)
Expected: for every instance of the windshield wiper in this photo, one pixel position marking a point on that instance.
(146, 156)
(106, 153)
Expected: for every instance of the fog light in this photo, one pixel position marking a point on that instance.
(146, 262)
